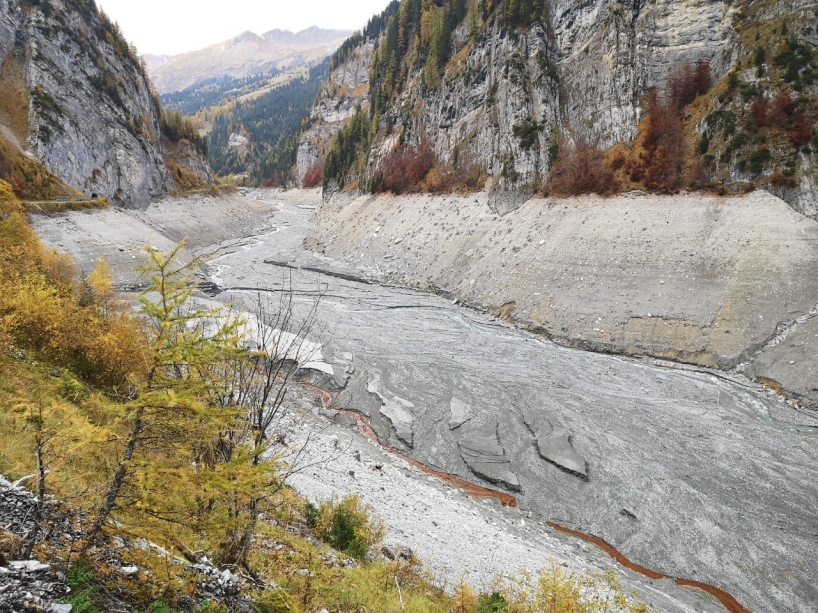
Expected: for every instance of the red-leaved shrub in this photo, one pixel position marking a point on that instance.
(580, 169)
(801, 131)
(780, 179)
(314, 175)
(758, 112)
(276, 180)
(404, 169)
(664, 146)
(782, 108)
(687, 82)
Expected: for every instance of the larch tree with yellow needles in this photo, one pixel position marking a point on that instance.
(171, 421)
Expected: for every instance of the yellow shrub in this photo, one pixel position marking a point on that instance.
(18, 243)
(560, 591)
(58, 267)
(39, 316)
(348, 525)
(8, 201)
(464, 598)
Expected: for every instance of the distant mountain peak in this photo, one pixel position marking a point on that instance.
(309, 36)
(244, 55)
(246, 36)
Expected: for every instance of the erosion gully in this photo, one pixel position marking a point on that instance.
(712, 479)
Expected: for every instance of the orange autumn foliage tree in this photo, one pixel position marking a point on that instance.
(314, 175)
(45, 306)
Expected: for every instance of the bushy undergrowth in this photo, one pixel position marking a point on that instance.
(656, 161)
(28, 179)
(553, 590)
(581, 169)
(186, 180)
(416, 168)
(45, 306)
(404, 169)
(347, 525)
(314, 174)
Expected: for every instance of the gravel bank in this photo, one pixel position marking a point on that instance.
(456, 537)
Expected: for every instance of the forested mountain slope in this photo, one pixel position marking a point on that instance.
(258, 134)
(554, 96)
(76, 97)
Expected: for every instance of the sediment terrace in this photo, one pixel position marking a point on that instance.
(716, 282)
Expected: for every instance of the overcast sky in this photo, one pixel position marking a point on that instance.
(176, 26)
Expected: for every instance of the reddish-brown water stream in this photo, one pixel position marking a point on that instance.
(507, 500)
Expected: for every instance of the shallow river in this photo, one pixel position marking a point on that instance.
(690, 473)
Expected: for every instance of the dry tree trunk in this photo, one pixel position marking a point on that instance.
(119, 479)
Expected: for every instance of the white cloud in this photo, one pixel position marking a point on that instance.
(176, 26)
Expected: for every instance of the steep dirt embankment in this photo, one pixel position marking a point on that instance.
(704, 280)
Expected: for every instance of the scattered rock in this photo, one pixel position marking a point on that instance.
(482, 452)
(396, 409)
(31, 566)
(460, 413)
(554, 444)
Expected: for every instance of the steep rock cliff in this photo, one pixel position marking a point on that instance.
(506, 93)
(91, 118)
(346, 89)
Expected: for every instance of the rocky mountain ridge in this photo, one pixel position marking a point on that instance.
(500, 96)
(244, 55)
(78, 101)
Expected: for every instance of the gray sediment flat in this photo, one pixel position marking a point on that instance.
(690, 472)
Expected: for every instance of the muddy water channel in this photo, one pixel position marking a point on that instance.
(688, 473)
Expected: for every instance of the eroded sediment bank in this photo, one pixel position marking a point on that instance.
(507, 500)
(716, 282)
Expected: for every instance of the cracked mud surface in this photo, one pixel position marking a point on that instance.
(691, 473)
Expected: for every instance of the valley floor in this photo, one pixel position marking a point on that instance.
(692, 472)
(727, 283)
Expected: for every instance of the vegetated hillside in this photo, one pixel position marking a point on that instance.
(96, 406)
(76, 97)
(215, 91)
(259, 135)
(555, 96)
(245, 55)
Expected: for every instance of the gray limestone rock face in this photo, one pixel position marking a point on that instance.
(347, 89)
(486, 458)
(582, 73)
(93, 119)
